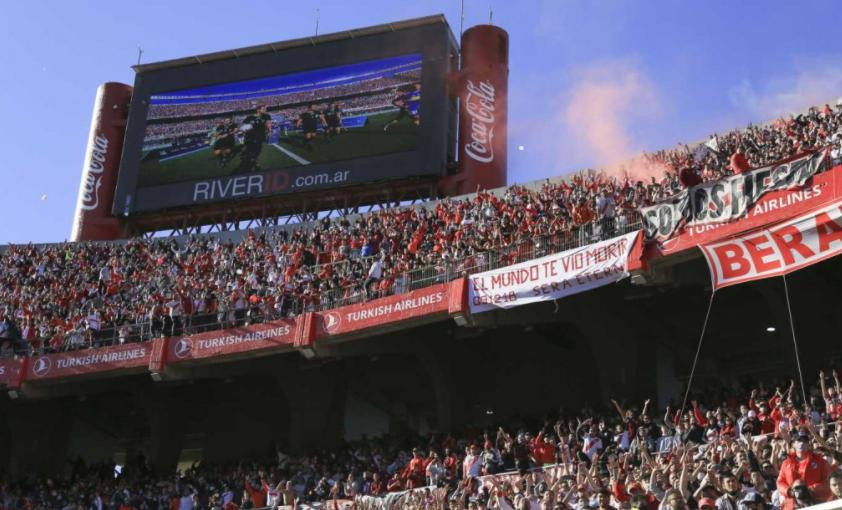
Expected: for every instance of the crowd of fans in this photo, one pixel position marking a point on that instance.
(754, 147)
(278, 98)
(752, 448)
(78, 295)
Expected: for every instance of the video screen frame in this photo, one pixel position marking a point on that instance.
(433, 42)
(324, 115)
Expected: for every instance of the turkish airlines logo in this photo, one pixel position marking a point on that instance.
(93, 177)
(183, 348)
(331, 320)
(479, 103)
(42, 367)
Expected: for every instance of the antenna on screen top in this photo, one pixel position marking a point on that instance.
(317, 21)
(490, 14)
(462, 20)
(139, 54)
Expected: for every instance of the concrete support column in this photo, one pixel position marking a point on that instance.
(40, 433)
(668, 385)
(616, 363)
(437, 363)
(316, 404)
(167, 429)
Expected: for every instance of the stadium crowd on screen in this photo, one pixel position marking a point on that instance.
(172, 111)
(81, 295)
(740, 447)
(196, 119)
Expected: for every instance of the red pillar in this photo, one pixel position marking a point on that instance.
(483, 97)
(93, 220)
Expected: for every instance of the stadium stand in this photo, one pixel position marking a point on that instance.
(75, 296)
(743, 449)
(275, 100)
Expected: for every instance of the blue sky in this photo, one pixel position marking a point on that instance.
(651, 73)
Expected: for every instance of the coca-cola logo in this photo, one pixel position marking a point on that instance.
(93, 177)
(479, 104)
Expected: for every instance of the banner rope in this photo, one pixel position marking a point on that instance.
(794, 341)
(698, 350)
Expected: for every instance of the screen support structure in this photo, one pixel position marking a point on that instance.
(288, 211)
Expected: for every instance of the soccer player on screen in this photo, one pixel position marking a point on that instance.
(223, 141)
(255, 128)
(308, 122)
(408, 104)
(333, 120)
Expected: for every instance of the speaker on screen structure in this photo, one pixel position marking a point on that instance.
(92, 219)
(482, 85)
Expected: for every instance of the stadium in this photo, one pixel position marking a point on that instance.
(591, 340)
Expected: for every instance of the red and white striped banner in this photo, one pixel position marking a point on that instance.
(777, 250)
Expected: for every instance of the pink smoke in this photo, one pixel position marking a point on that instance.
(608, 99)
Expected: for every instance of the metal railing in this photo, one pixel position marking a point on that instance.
(287, 306)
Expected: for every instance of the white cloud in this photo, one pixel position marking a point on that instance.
(811, 82)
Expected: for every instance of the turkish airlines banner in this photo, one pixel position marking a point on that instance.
(727, 199)
(10, 372)
(269, 335)
(777, 250)
(90, 361)
(383, 311)
(552, 277)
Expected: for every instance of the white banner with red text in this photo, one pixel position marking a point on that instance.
(553, 276)
(777, 250)
(727, 199)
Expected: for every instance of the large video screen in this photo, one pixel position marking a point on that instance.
(245, 127)
(347, 109)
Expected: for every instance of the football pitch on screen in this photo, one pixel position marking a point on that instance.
(289, 151)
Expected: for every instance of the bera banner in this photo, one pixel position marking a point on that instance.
(778, 250)
(552, 277)
(727, 199)
(89, 361)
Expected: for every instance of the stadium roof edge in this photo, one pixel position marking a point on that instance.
(292, 43)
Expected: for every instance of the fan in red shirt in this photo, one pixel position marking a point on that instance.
(803, 465)
(416, 470)
(256, 493)
(832, 396)
(739, 163)
(451, 463)
(543, 451)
